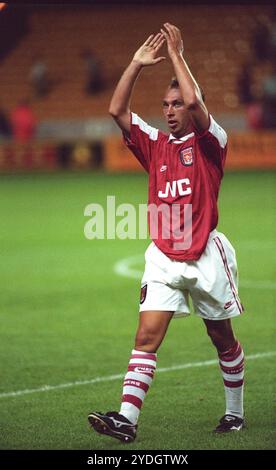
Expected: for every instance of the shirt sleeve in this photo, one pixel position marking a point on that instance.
(213, 143)
(141, 140)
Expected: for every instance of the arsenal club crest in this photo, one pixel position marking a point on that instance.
(143, 294)
(186, 156)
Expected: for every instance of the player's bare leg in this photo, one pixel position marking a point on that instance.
(221, 334)
(231, 361)
(151, 330)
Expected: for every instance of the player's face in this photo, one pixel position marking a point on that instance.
(175, 112)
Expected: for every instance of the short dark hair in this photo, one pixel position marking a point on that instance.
(175, 84)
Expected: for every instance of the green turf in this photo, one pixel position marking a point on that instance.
(66, 316)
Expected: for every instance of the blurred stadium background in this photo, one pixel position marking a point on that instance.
(66, 313)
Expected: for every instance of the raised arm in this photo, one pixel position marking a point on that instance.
(120, 102)
(189, 88)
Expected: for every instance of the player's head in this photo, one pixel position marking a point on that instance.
(175, 111)
(175, 84)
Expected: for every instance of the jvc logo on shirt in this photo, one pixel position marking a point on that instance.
(178, 187)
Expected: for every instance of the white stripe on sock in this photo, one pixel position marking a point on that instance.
(138, 377)
(142, 353)
(233, 377)
(146, 362)
(232, 363)
(136, 391)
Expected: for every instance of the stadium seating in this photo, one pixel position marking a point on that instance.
(216, 42)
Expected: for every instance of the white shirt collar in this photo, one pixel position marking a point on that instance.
(181, 139)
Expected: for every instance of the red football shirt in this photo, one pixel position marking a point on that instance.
(184, 181)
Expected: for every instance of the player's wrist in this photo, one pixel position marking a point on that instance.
(176, 55)
(137, 64)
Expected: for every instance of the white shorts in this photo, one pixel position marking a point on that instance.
(211, 282)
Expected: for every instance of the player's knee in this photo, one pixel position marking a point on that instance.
(147, 341)
(221, 338)
(215, 336)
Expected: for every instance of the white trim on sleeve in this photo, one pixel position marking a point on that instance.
(218, 132)
(144, 127)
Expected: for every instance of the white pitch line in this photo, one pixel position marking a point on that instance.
(257, 284)
(124, 268)
(110, 378)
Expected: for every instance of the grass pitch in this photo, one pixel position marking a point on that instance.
(66, 316)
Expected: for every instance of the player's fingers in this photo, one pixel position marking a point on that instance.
(168, 26)
(172, 26)
(175, 30)
(155, 39)
(177, 33)
(171, 30)
(159, 59)
(147, 42)
(165, 34)
(159, 43)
